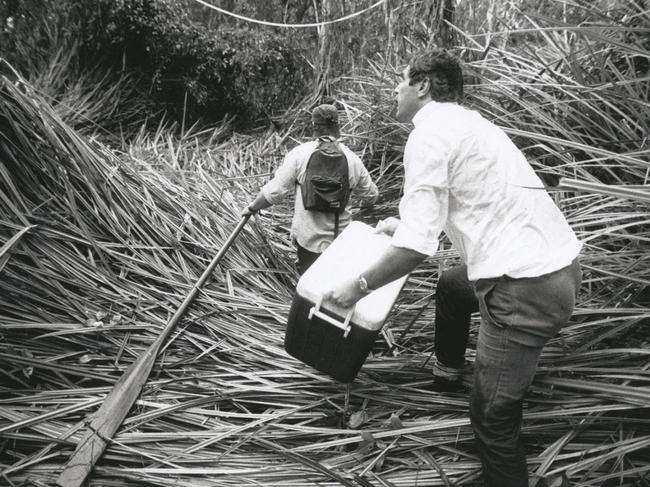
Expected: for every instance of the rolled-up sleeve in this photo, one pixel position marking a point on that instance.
(365, 190)
(284, 181)
(424, 207)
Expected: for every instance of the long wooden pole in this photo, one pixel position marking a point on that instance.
(119, 400)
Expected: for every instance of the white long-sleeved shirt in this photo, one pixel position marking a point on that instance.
(314, 230)
(464, 176)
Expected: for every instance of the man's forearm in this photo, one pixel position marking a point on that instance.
(393, 264)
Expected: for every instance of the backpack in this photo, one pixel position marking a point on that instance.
(327, 184)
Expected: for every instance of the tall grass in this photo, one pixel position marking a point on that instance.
(99, 246)
(92, 101)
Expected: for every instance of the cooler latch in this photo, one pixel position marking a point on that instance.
(345, 325)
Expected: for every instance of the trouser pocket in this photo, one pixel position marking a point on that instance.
(495, 301)
(535, 308)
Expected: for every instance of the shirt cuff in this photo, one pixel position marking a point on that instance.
(271, 194)
(410, 238)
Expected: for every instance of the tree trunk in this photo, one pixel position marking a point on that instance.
(301, 10)
(446, 14)
(324, 50)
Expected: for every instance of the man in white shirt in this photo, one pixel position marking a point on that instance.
(465, 177)
(313, 231)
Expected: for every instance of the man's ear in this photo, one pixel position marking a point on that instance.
(424, 88)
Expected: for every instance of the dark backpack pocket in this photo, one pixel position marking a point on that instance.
(327, 192)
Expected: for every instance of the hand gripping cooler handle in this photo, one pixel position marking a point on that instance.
(345, 325)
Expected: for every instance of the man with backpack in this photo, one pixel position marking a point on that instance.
(328, 174)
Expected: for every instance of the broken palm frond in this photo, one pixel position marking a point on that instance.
(120, 237)
(94, 102)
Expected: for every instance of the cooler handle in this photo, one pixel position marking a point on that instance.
(345, 326)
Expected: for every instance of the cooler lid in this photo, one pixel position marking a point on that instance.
(352, 252)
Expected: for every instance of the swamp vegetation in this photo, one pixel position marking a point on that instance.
(111, 208)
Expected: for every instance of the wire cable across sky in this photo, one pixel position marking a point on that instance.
(279, 24)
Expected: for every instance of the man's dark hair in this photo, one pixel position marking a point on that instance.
(443, 71)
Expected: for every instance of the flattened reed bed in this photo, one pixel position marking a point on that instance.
(119, 237)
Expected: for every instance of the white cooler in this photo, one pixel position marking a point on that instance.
(334, 340)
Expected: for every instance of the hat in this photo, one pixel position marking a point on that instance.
(326, 116)
(326, 120)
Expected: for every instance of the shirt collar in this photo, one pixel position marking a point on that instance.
(429, 110)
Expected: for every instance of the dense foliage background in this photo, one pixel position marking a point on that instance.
(180, 59)
(191, 72)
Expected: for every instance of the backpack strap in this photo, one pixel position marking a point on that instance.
(329, 138)
(336, 215)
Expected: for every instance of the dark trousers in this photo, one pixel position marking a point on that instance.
(305, 258)
(518, 316)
